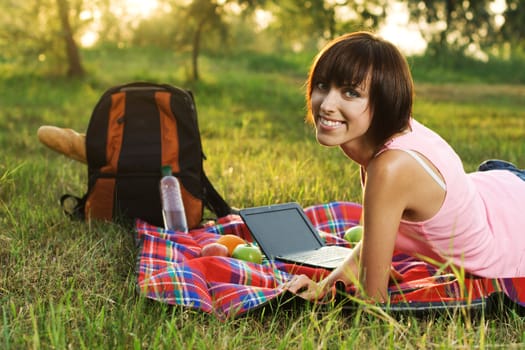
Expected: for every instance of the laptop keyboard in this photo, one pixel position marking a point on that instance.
(324, 254)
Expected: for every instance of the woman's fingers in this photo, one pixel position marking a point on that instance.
(297, 283)
(312, 293)
(304, 287)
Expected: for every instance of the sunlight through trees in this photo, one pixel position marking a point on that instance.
(480, 29)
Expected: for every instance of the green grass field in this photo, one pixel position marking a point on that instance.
(71, 285)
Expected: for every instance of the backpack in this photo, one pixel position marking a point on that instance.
(134, 130)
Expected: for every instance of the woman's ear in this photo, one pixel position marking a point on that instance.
(65, 141)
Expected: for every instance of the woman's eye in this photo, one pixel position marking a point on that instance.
(350, 93)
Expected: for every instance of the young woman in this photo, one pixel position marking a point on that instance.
(416, 196)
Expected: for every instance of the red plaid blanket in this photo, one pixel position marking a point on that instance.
(171, 270)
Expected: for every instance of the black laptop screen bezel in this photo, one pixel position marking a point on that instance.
(261, 226)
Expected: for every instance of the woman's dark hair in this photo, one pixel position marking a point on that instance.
(362, 58)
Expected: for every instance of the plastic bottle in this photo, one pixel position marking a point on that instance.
(172, 207)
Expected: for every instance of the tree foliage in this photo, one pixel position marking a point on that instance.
(50, 37)
(307, 23)
(513, 29)
(209, 16)
(193, 26)
(16, 40)
(461, 25)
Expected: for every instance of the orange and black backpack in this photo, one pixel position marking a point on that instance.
(134, 130)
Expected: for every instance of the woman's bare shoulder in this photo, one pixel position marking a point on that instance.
(391, 165)
(395, 176)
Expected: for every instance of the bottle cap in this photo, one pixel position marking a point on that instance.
(166, 170)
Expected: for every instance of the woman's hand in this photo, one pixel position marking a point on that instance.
(306, 288)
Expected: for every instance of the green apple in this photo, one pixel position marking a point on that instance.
(354, 234)
(247, 252)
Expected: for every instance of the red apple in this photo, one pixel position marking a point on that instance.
(248, 252)
(214, 249)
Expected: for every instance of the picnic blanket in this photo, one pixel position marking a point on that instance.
(171, 270)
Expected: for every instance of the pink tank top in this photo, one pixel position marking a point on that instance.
(481, 224)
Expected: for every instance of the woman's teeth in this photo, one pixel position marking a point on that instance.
(330, 123)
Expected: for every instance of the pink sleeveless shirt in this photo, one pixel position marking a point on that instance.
(481, 224)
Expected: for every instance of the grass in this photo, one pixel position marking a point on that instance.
(65, 284)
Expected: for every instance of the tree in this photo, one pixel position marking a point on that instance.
(203, 13)
(75, 68)
(454, 24)
(312, 21)
(208, 16)
(51, 36)
(513, 30)
(17, 38)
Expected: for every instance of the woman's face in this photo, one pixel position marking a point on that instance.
(342, 115)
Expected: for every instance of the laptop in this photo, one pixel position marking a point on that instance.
(284, 232)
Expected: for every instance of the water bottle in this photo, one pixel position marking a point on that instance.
(172, 206)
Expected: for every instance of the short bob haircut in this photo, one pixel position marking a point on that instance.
(364, 59)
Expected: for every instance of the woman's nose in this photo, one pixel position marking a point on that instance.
(329, 102)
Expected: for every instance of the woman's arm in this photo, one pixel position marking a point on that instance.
(386, 192)
(389, 190)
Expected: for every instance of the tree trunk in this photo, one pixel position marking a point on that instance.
(195, 51)
(75, 68)
(450, 6)
(197, 40)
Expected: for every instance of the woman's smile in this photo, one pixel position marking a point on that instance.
(331, 123)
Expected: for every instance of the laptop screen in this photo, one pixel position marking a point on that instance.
(281, 229)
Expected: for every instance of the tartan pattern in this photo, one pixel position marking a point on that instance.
(171, 270)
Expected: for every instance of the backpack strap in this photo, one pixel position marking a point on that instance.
(214, 201)
(73, 206)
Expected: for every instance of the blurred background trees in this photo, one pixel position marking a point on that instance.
(54, 32)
